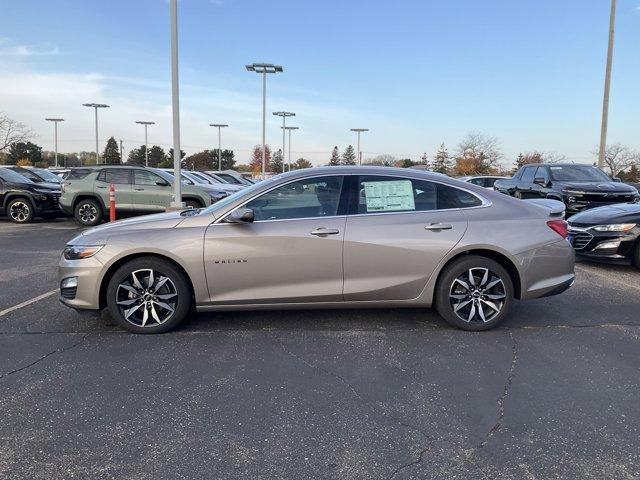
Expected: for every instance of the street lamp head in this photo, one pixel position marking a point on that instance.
(95, 105)
(284, 114)
(145, 123)
(218, 125)
(264, 68)
(359, 129)
(290, 128)
(54, 119)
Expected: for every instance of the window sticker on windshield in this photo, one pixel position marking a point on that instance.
(389, 196)
(556, 168)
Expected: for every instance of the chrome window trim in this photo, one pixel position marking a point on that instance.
(484, 201)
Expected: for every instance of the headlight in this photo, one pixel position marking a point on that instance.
(215, 196)
(615, 227)
(78, 252)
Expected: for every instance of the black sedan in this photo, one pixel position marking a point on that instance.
(610, 233)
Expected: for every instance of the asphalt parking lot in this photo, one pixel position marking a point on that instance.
(347, 394)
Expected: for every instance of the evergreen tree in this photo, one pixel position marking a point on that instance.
(24, 151)
(301, 163)
(424, 160)
(349, 156)
(442, 161)
(111, 154)
(157, 156)
(335, 157)
(136, 156)
(277, 162)
(228, 160)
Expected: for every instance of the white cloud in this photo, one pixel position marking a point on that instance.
(9, 50)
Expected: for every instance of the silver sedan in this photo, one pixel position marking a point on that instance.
(333, 237)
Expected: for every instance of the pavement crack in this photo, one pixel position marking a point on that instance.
(54, 352)
(376, 408)
(505, 393)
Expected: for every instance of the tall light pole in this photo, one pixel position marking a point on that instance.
(121, 152)
(175, 103)
(146, 147)
(96, 106)
(284, 116)
(264, 68)
(219, 126)
(289, 130)
(607, 86)
(55, 129)
(359, 131)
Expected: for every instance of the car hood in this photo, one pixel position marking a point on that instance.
(146, 222)
(617, 213)
(600, 187)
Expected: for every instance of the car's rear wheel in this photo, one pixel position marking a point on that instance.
(148, 295)
(474, 293)
(88, 212)
(20, 210)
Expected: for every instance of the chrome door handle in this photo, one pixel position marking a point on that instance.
(139, 189)
(98, 186)
(438, 226)
(325, 231)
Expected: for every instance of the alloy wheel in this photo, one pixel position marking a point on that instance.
(19, 211)
(146, 298)
(87, 213)
(477, 295)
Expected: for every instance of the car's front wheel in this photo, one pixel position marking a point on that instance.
(148, 295)
(474, 293)
(20, 210)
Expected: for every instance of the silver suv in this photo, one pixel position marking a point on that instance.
(85, 192)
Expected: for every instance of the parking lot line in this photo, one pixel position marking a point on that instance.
(27, 302)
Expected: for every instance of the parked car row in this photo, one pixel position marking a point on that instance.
(603, 213)
(83, 192)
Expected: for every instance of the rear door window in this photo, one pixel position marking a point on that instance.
(380, 194)
(528, 174)
(119, 176)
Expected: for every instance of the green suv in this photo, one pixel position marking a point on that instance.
(139, 191)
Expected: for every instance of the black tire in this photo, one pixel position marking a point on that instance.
(464, 318)
(88, 212)
(636, 255)
(20, 210)
(138, 321)
(190, 203)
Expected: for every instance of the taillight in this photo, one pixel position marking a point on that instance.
(558, 226)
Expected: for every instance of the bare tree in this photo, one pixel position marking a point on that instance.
(383, 160)
(478, 153)
(618, 157)
(12, 131)
(553, 157)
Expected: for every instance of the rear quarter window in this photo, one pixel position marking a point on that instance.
(77, 174)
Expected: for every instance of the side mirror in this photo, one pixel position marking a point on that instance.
(616, 179)
(241, 215)
(162, 183)
(540, 181)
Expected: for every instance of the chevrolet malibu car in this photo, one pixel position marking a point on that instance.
(331, 237)
(608, 234)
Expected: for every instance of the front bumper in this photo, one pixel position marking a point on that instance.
(604, 246)
(88, 273)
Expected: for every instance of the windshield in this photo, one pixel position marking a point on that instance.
(239, 194)
(165, 175)
(11, 176)
(578, 173)
(27, 174)
(47, 175)
(229, 178)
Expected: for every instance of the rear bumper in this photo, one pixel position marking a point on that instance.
(546, 270)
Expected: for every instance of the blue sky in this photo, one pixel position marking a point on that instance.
(417, 73)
